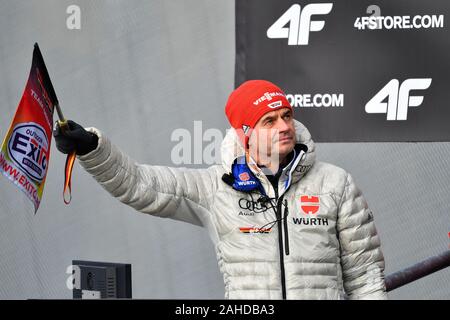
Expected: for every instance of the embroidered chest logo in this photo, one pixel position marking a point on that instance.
(310, 206)
(254, 205)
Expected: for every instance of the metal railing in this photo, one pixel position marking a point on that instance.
(417, 271)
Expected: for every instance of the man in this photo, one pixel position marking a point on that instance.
(284, 226)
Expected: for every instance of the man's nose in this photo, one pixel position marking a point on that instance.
(282, 125)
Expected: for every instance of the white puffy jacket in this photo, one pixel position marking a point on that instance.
(318, 241)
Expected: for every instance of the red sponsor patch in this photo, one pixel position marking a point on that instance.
(244, 176)
(310, 204)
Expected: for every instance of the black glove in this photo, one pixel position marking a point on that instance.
(74, 138)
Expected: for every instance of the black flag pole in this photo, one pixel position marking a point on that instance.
(62, 121)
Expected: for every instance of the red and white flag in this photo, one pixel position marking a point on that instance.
(25, 151)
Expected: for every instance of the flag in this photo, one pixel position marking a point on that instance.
(25, 151)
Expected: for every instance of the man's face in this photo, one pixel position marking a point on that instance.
(273, 137)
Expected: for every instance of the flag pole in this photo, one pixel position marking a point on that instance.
(62, 121)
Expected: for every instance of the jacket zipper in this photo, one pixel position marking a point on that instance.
(280, 245)
(280, 235)
(286, 235)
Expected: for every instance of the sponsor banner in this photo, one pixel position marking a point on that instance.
(353, 70)
(25, 152)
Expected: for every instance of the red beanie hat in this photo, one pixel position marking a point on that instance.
(250, 101)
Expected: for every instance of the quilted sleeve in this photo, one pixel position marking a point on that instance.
(178, 193)
(361, 256)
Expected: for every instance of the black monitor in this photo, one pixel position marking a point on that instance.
(102, 280)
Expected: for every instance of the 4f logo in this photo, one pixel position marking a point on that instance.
(398, 98)
(300, 23)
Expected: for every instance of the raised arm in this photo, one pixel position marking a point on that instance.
(178, 193)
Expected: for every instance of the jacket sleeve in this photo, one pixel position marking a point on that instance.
(177, 193)
(361, 256)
